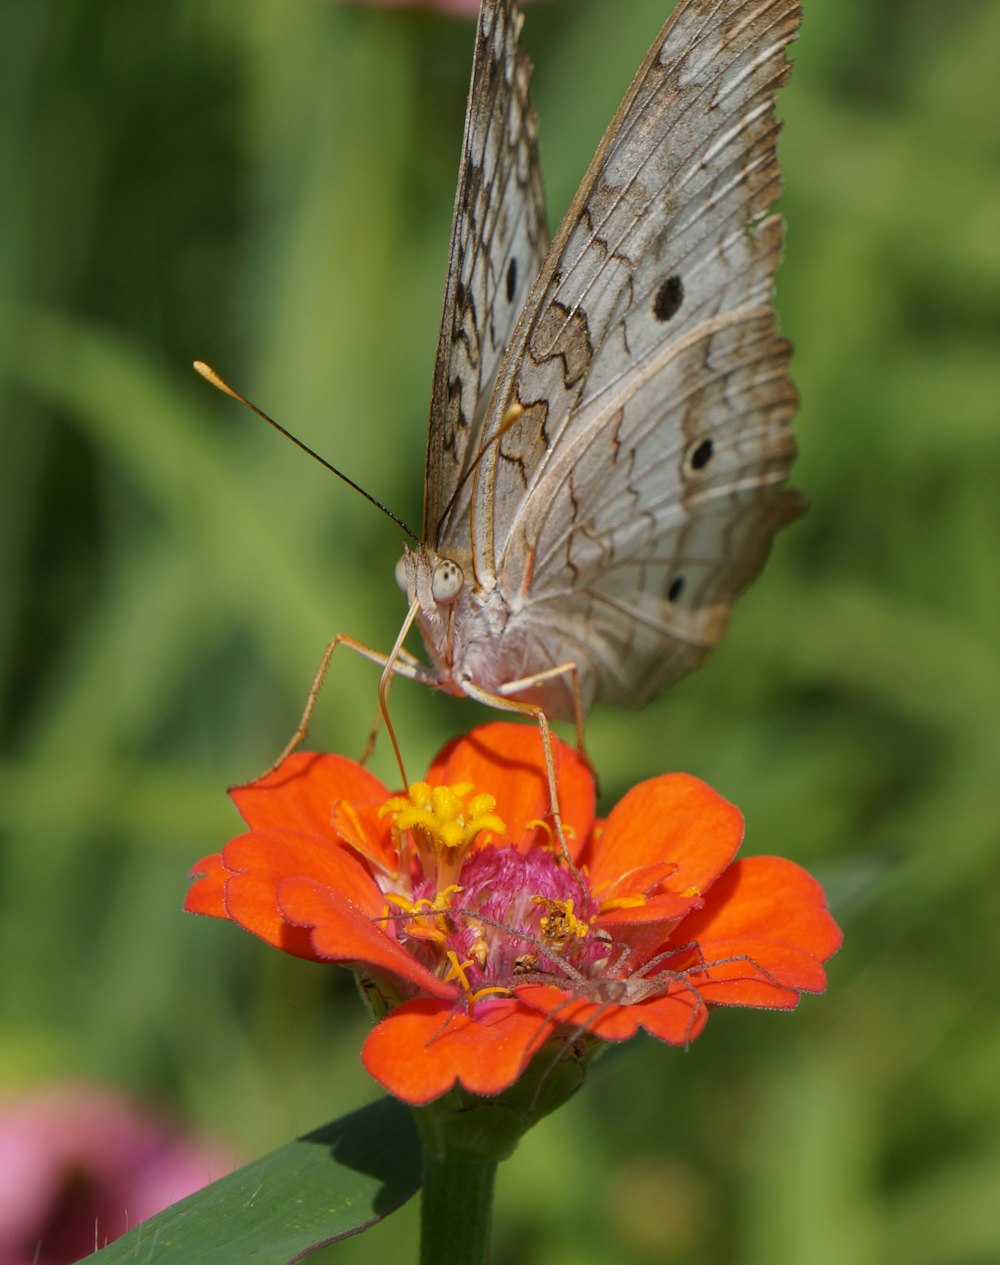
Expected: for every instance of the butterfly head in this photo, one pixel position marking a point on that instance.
(435, 584)
(426, 577)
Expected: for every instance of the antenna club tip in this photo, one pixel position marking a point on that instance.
(209, 374)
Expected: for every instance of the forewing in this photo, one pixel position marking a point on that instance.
(498, 241)
(638, 490)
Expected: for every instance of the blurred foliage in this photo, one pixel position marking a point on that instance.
(268, 185)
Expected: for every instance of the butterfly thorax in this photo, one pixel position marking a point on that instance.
(477, 638)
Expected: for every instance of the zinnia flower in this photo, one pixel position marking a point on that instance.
(478, 936)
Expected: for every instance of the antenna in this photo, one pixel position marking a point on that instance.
(209, 374)
(514, 411)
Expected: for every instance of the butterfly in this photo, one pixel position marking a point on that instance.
(610, 416)
(610, 422)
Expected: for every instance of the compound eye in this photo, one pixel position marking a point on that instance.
(446, 582)
(401, 573)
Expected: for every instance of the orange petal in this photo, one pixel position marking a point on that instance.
(259, 861)
(759, 973)
(578, 1015)
(665, 907)
(206, 894)
(764, 899)
(675, 818)
(507, 761)
(421, 1050)
(675, 1016)
(358, 824)
(340, 932)
(301, 792)
(248, 902)
(273, 855)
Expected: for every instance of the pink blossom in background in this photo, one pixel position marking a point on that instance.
(80, 1165)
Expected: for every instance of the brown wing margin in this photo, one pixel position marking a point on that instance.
(498, 242)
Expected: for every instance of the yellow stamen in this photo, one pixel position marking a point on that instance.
(429, 917)
(552, 842)
(456, 971)
(445, 822)
(488, 991)
(622, 902)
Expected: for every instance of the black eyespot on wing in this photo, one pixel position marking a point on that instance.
(511, 279)
(702, 455)
(669, 298)
(676, 588)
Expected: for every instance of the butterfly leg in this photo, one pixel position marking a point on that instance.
(503, 704)
(341, 639)
(568, 670)
(409, 661)
(400, 665)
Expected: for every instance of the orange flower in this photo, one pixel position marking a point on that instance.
(478, 938)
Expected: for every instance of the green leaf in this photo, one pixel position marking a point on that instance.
(327, 1185)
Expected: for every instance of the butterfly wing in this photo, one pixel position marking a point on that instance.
(632, 458)
(498, 242)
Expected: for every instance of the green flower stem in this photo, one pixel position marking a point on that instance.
(464, 1138)
(457, 1209)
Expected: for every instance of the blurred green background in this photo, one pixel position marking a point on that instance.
(267, 184)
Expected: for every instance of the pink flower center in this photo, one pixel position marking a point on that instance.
(490, 916)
